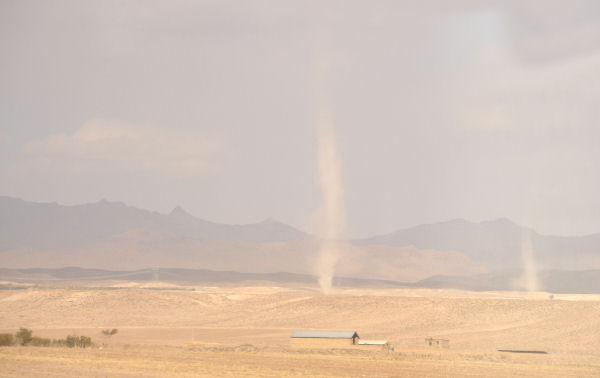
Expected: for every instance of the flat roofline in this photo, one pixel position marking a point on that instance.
(311, 334)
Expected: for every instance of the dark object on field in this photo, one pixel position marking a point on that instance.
(523, 351)
(437, 343)
(109, 332)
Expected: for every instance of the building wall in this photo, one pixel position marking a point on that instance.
(316, 343)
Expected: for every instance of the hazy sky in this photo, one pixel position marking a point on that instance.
(475, 110)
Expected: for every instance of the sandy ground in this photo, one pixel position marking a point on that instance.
(161, 361)
(243, 331)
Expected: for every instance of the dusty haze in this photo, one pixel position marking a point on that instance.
(472, 110)
(209, 176)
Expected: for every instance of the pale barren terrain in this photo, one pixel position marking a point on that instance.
(244, 331)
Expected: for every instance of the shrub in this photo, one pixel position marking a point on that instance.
(59, 342)
(23, 336)
(71, 341)
(6, 339)
(85, 341)
(74, 341)
(109, 332)
(39, 341)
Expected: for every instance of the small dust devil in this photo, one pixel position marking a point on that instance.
(330, 216)
(530, 272)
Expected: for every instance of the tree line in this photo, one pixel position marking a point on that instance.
(24, 337)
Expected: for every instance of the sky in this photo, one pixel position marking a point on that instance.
(440, 110)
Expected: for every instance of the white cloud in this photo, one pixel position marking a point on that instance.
(132, 147)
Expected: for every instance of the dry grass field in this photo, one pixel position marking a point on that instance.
(243, 331)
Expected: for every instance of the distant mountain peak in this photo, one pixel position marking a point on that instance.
(505, 223)
(454, 221)
(178, 211)
(104, 201)
(500, 220)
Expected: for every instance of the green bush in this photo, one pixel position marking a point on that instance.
(39, 341)
(85, 341)
(23, 336)
(71, 341)
(80, 342)
(6, 339)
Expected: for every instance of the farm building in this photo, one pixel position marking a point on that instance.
(374, 344)
(323, 339)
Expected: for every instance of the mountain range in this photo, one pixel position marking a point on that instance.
(49, 225)
(498, 244)
(114, 236)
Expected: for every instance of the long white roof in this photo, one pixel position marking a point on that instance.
(324, 334)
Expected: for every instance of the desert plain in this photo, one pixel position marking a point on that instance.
(166, 329)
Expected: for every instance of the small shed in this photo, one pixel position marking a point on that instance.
(374, 344)
(323, 339)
